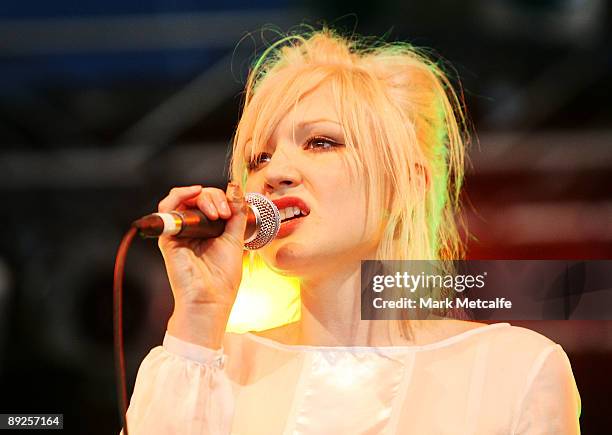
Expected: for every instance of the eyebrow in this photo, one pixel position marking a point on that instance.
(303, 124)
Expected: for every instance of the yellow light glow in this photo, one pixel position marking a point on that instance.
(265, 299)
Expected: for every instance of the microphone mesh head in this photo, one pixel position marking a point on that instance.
(268, 218)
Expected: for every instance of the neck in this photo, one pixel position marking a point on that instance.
(331, 313)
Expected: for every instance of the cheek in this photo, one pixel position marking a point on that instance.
(345, 210)
(356, 215)
(251, 185)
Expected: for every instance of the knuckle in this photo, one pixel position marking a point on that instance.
(212, 190)
(220, 194)
(203, 198)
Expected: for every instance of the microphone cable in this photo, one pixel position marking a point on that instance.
(118, 325)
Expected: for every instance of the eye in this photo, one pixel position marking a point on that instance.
(259, 159)
(321, 143)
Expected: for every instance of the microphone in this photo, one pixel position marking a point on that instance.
(263, 223)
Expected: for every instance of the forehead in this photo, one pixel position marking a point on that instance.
(289, 114)
(313, 110)
(317, 104)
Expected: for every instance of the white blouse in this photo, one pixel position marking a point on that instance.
(495, 379)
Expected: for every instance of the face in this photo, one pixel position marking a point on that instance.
(304, 166)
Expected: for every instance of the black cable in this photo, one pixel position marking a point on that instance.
(118, 326)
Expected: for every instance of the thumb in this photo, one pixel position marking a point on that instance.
(236, 224)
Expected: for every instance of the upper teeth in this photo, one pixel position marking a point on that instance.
(289, 212)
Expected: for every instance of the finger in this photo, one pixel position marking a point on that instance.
(176, 196)
(207, 205)
(220, 200)
(191, 202)
(236, 224)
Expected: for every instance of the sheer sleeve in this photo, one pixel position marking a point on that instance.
(551, 403)
(181, 388)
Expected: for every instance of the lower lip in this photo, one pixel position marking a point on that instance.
(288, 227)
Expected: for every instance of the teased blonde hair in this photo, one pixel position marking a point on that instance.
(403, 125)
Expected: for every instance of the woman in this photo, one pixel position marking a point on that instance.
(362, 144)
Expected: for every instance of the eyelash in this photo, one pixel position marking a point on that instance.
(256, 162)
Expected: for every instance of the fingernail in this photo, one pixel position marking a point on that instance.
(234, 192)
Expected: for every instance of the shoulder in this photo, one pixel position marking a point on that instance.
(533, 372)
(536, 363)
(516, 338)
(515, 347)
(503, 337)
(548, 399)
(500, 347)
(541, 353)
(544, 398)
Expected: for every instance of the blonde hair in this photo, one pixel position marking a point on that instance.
(403, 125)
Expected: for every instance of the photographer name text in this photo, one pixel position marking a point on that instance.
(443, 304)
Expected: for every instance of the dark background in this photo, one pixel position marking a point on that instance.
(106, 105)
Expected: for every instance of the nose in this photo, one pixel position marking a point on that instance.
(281, 171)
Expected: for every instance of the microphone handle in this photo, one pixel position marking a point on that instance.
(195, 225)
(189, 224)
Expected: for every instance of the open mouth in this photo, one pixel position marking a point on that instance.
(291, 213)
(292, 210)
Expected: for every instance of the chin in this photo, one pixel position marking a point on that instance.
(291, 259)
(303, 261)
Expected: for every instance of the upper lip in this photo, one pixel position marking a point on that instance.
(292, 201)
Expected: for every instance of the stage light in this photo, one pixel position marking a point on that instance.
(265, 299)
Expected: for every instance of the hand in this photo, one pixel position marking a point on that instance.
(204, 273)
